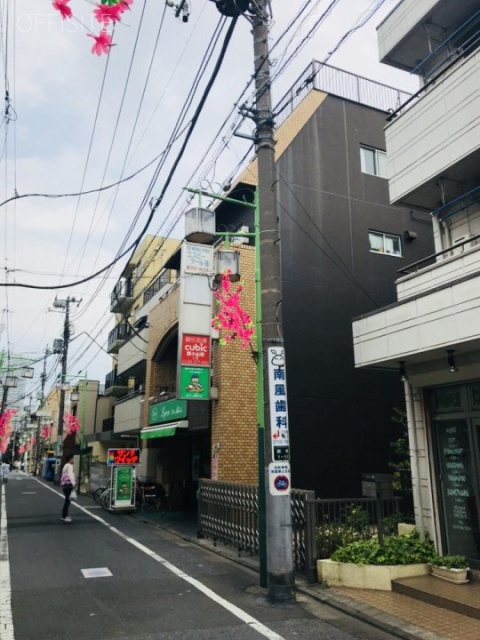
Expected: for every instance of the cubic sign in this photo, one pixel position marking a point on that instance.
(195, 350)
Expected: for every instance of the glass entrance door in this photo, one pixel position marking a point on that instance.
(458, 459)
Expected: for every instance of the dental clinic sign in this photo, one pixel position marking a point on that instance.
(169, 411)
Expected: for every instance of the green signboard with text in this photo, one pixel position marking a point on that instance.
(168, 411)
(194, 383)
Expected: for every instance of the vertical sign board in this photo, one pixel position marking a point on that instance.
(277, 385)
(123, 487)
(279, 469)
(194, 355)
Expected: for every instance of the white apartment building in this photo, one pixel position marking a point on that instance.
(431, 335)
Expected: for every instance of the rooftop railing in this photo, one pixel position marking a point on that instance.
(323, 77)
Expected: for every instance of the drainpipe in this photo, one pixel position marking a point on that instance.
(415, 467)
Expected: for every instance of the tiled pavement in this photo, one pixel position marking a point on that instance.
(438, 621)
(401, 615)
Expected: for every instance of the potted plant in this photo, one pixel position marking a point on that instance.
(450, 568)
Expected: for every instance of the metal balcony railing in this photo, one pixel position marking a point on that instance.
(163, 279)
(343, 84)
(118, 334)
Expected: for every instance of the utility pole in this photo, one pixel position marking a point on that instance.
(280, 573)
(43, 378)
(64, 305)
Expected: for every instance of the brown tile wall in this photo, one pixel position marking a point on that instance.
(234, 414)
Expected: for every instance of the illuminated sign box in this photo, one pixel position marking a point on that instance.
(123, 456)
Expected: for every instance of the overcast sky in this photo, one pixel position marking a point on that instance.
(76, 122)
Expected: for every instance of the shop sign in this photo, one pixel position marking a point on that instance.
(123, 487)
(277, 385)
(194, 383)
(168, 411)
(195, 350)
(198, 258)
(123, 456)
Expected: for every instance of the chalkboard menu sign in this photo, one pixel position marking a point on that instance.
(456, 485)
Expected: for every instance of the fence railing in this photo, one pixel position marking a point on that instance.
(344, 84)
(228, 513)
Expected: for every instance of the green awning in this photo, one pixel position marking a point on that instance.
(163, 431)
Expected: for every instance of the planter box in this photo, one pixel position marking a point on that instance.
(455, 576)
(366, 576)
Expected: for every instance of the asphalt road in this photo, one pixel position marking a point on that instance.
(110, 576)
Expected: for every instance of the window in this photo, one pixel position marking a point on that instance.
(385, 243)
(373, 161)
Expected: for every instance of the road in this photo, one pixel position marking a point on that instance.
(107, 576)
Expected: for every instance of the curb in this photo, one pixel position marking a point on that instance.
(384, 621)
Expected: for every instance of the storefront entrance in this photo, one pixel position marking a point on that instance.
(456, 439)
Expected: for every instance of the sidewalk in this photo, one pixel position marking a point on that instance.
(400, 615)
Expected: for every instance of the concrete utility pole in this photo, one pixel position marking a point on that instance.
(280, 574)
(43, 378)
(64, 305)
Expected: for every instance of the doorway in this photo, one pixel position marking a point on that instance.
(456, 438)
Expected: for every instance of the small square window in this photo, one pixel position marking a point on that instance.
(385, 243)
(373, 161)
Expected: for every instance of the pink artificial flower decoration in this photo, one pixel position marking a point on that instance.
(21, 449)
(234, 320)
(105, 13)
(46, 431)
(6, 428)
(71, 424)
(103, 42)
(62, 6)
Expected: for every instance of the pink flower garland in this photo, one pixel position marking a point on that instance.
(107, 11)
(231, 318)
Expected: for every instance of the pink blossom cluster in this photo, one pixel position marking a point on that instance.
(231, 318)
(6, 428)
(106, 12)
(70, 425)
(45, 431)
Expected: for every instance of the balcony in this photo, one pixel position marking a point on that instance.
(133, 351)
(413, 29)
(117, 337)
(129, 413)
(115, 385)
(121, 298)
(438, 308)
(436, 141)
(160, 284)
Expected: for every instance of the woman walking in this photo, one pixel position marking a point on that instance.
(67, 482)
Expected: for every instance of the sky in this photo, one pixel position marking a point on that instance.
(75, 122)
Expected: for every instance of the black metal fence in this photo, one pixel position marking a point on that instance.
(228, 513)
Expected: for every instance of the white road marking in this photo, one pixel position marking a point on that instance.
(245, 617)
(101, 572)
(6, 618)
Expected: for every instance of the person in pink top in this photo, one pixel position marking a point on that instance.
(67, 482)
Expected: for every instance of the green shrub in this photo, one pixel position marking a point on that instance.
(333, 534)
(450, 562)
(396, 550)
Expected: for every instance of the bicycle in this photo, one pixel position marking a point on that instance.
(97, 494)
